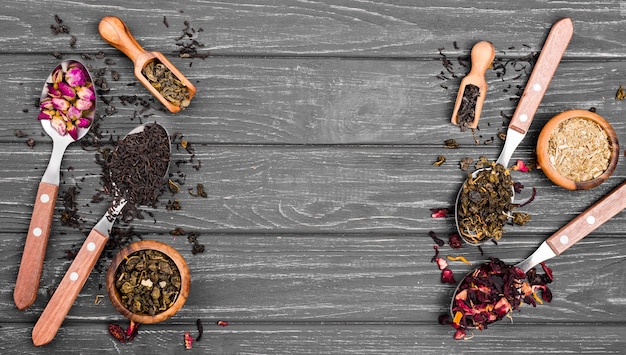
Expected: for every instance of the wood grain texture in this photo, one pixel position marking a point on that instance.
(314, 131)
(328, 28)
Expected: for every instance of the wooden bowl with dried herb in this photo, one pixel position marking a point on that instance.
(577, 149)
(148, 281)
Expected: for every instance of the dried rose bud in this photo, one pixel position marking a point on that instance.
(69, 100)
(76, 76)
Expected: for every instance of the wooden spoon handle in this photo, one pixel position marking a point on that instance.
(543, 71)
(63, 298)
(116, 33)
(588, 221)
(31, 266)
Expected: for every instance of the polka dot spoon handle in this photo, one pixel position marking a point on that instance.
(543, 71)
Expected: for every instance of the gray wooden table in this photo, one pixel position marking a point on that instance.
(314, 131)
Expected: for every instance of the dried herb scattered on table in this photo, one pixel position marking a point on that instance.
(620, 94)
(148, 282)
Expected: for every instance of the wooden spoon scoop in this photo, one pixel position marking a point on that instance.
(116, 33)
(482, 56)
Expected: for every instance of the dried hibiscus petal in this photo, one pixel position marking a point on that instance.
(132, 331)
(117, 332)
(188, 341)
(455, 241)
(440, 212)
(447, 276)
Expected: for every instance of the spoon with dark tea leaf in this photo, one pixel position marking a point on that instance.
(152, 69)
(471, 225)
(506, 284)
(137, 169)
(67, 110)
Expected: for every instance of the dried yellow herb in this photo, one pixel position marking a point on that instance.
(620, 94)
(579, 149)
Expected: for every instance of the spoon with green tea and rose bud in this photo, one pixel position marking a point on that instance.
(67, 110)
(512, 289)
(137, 169)
(469, 215)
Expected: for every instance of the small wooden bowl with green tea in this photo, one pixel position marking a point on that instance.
(577, 149)
(148, 282)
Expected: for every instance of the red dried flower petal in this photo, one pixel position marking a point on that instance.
(132, 331)
(439, 212)
(547, 270)
(455, 241)
(459, 334)
(188, 341)
(441, 263)
(520, 166)
(117, 332)
(447, 276)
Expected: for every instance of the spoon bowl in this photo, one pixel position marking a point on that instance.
(578, 228)
(74, 279)
(31, 265)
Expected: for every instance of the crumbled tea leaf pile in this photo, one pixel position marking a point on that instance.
(166, 83)
(579, 149)
(138, 165)
(485, 204)
(148, 282)
(467, 109)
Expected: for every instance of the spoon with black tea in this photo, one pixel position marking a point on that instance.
(67, 110)
(473, 88)
(509, 280)
(137, 169)
(470, 224)
(152, 69)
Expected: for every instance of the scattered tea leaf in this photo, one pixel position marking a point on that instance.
(620, 94)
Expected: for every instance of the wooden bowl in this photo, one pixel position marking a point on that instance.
(178, 260)
(543, 156)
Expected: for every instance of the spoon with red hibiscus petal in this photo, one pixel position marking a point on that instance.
(491, 291)
(67, 110)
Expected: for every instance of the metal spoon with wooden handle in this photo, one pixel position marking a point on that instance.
(578, 228)
(116, 33)
(66, 293)
(482, 57)
(31, 265)
(553, 49)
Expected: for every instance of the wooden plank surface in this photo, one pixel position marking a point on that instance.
(314, 132)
